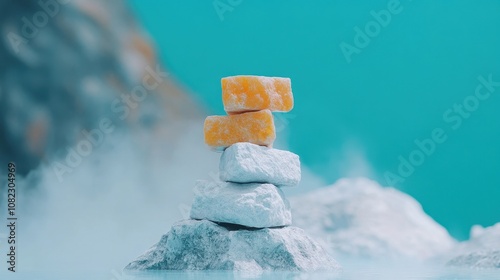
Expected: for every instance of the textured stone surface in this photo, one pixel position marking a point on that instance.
(249, 163)
(204, 245)
(482, 250)
(254, 127)
(359, 218)
(481, 259)
(251, 205)
(252, 93)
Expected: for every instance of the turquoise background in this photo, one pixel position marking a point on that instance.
(393, 92)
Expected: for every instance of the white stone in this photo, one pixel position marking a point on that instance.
(204, 245)
(478, 260)
(359, 218)
(250, 205)
(482, 250)
(250, 163)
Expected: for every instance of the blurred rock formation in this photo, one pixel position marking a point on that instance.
(65, 65)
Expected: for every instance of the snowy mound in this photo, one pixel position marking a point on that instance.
(481, 251)
(359, 218)
(481, 259)
(204, 245)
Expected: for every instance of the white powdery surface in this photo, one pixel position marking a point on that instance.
(359, 218)
(482, 250)
(250, 205)
(250, 163)
(204, 245)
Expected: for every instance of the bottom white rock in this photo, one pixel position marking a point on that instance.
(204, 245)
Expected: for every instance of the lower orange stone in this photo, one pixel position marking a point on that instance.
(254, 127)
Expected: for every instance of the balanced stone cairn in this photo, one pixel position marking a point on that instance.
(243, 221)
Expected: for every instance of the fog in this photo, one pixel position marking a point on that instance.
(113, 206)
(117, 202)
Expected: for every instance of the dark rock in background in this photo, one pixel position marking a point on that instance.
(67, 65)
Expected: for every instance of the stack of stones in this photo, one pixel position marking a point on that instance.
(243, 221)
(251, 171)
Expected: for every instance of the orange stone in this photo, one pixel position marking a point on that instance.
(254, 127)
(253, 93)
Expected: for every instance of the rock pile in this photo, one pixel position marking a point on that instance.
(248, 194)
(242, 222)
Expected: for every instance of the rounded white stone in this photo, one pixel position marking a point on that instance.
(250, 205)
(250, 163)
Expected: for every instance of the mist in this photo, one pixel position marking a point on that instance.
(117, 202)
(113, 206)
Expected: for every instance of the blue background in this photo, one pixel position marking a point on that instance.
(394, 91)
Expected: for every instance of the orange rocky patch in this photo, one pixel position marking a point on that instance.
(254, 127)
(253, 93)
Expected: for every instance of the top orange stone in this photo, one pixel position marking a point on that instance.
(253, 93)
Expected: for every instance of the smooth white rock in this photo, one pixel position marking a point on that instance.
(359, 218)
(251, 205)
(482, 250)
(250, 163)
(204, 245)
